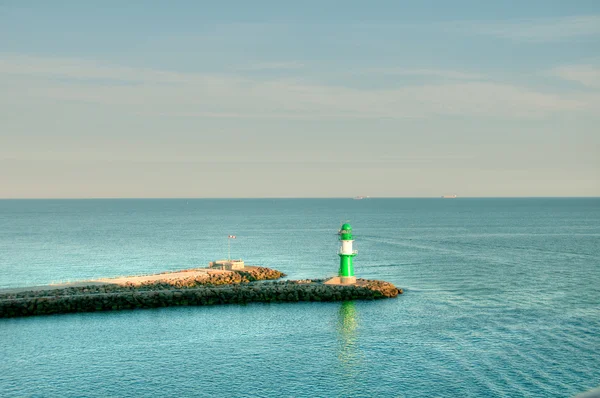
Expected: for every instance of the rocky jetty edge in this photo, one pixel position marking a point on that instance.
(254, 284)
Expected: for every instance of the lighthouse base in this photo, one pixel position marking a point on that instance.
(341, 280)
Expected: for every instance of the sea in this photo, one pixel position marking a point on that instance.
(501, 299)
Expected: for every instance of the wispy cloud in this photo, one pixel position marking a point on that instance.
(82, 69)
(33, 81)
(587, 75)
(539, 29)
(270, 66)
(438, 73)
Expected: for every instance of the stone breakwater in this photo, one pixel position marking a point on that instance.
(237, 287)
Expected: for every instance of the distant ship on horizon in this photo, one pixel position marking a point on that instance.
(449, 197)
(360, 197)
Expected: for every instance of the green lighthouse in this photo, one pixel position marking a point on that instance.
(346, 254)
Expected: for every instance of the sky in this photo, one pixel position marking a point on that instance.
(195, 99)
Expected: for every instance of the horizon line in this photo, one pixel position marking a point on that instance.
(302, 197)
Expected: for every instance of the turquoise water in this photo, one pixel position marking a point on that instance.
(502, 298)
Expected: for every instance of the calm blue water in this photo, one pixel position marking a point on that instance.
(502, 298)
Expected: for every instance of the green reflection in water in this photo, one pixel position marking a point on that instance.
(348, 353)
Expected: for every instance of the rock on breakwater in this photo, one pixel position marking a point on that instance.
(218, 290)
(185, 279)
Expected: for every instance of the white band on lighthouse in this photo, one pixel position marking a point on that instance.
(346, 247)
